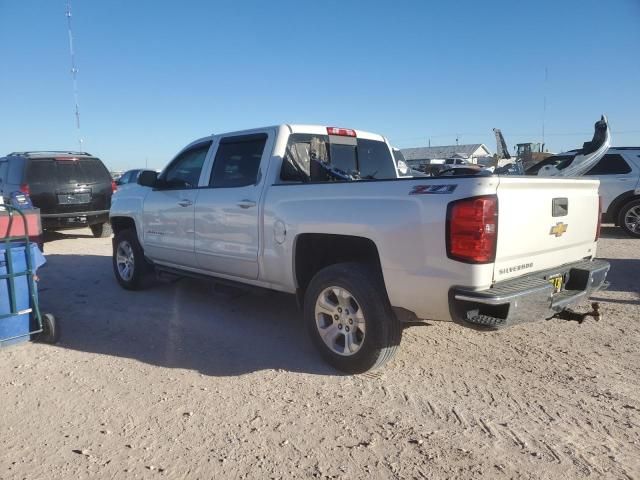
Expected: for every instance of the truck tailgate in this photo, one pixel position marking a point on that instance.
(544, 223)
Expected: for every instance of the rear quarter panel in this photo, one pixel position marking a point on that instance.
(407, 229)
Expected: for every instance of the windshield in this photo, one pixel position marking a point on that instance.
(316, 158)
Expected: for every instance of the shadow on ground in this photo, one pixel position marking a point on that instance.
(51, 236)
(623, 277)
(611, 231)
(186, 324)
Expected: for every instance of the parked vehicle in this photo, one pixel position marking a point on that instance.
(71, 189)
(320, 213)
(619, 175)
(130, 176)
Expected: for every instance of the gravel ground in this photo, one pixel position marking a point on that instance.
(184, 380)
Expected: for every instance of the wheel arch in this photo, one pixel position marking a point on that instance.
(314, 251)
(120, 223)
(613, 212)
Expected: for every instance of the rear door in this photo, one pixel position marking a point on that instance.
(227, 214)
(544, 222)
(616, 176)
(168, 211)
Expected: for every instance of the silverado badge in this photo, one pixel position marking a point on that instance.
(558, 229)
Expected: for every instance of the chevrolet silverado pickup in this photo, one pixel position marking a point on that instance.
(323, 213)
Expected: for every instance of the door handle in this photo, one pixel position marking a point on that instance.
(185, 202)
(246, 203)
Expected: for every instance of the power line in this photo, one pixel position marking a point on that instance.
(74, 74)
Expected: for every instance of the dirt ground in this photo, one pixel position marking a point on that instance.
(187, 381)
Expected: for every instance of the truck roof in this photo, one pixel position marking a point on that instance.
(294, 128)
(322, 130)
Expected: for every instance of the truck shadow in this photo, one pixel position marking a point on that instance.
(623, 277)
(186, 324)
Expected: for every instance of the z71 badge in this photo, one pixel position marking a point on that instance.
(432, 189)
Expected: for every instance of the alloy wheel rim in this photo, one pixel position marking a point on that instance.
(632, 219)
(340, 321)
(125, 260)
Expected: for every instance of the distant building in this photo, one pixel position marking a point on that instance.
(426, 155)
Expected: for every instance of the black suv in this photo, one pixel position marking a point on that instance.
(71, 189)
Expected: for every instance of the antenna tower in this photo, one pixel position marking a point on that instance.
(74, 74)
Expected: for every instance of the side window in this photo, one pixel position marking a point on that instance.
(4, 169)
(184, 171)
(375, 160)
(610, 164)
(15, 172)
(125, 178)
(237, 161)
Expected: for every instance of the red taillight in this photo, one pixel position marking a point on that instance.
(24, 188)
(472, 229)
(114, 187)
(342, 132)
(599, 218)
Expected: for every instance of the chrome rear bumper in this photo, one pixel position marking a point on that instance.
(528, 298)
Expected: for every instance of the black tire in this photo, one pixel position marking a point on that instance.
(50, 330)
(101, 230)
(383, 329)
(141, 267)
(633, 205)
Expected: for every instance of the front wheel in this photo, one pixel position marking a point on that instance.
(629, 218)
(129, 265)
(101, 230)
(349, 317)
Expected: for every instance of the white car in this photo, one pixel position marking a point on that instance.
(319, 212)
(619, 175)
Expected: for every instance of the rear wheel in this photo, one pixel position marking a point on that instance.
(629, 218)
(349, 317)
(129, 265)
(101, 230)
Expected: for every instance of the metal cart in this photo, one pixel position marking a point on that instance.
(15, 240)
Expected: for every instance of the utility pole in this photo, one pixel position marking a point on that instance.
(74, 73)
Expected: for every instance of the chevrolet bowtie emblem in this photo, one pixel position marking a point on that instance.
(558, 229)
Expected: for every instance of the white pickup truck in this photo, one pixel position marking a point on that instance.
(322, 213)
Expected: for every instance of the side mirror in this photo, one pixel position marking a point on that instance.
(148, 178)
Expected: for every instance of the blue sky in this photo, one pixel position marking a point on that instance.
(154, 75)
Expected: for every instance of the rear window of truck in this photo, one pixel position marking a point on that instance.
(314, 158)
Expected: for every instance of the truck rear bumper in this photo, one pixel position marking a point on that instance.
(528, 298)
